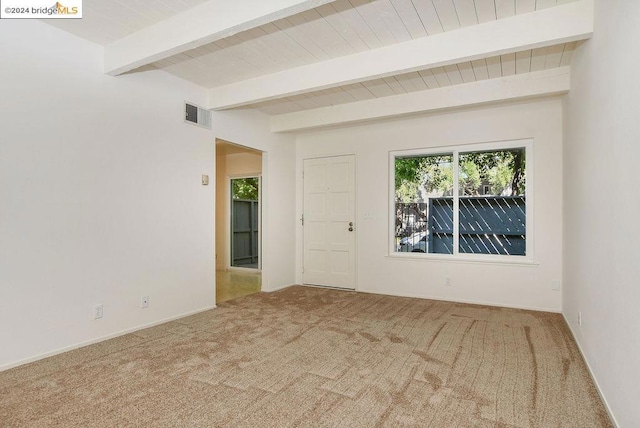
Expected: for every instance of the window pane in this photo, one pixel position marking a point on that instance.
(492, 202)
(424, 205)
(245, 188)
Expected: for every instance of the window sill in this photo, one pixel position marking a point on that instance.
(468, 259)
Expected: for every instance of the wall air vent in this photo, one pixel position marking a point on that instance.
(197, 115)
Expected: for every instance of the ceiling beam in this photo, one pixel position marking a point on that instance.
(520, 86)
(552, 26)
(195, 27)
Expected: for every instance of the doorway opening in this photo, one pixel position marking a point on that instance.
(238, 254)
(245, 222)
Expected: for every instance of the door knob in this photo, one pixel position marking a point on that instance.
(350, 226)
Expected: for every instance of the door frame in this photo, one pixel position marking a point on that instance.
(357, 223)
(228, 228)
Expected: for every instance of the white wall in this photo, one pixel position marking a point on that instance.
(100, 193)
(251, 129)
(601, 153)
(221, 211)
(497, 284)
(231, 165)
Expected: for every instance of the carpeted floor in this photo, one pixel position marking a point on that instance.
(317, 357)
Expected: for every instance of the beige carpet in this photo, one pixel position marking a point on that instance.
(317, 357)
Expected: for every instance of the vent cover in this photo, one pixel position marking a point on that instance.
(197, 115)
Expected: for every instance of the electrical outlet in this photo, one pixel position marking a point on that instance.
(579, 318)
(447, 281)
(98, 311)
(555, 285)
(144, 302)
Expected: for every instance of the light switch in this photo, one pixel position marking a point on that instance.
(205, 180)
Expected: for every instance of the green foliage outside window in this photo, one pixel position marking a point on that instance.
(245, 188)
(502, 170)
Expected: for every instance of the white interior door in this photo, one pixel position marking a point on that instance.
(328, 222)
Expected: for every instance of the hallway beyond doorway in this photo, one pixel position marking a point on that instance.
(231, 284)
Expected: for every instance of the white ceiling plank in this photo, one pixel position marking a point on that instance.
(466, 11)
(369, 13)
(543, 4)
(309, 100)
(454, 74)
(196, 72)
(378, 88)
(334, 96)
(441, 76)
(552, 26)
(485, 10)
(409, 15)
(305, 102)
(358, 92)
(221, 60)
(412, 82)
(517, 87)
(233, 46)
(139, 18)
(275, 49)
(308, 31)
(505, 8)
(494, 67)
(554, 56)
(393, 21)
(538, 58)
(254, 48)
(429, 79)
(195, 27)
(447, 14)
(324, 34)
(428, 16)
(466, 71)
(357, 23)
(151, 13)
(480, 70)
(523, 62)
(340, 96)
(567, 53)
(288, 43)
(508, 62)
(339, 24)
(395, 86)
(297, 34)
(525, 6)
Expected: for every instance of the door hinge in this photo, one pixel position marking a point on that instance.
(302, 219)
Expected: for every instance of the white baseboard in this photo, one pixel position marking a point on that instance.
(593, 376)
(470, 302)
(99, 339)
(281, 287)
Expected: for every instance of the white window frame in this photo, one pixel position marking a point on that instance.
(527, 144)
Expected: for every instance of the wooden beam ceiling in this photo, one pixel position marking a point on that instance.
(561, 24)
(535, 84)
(195, 27)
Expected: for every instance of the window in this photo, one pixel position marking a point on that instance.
(467, 201)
